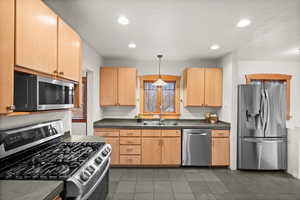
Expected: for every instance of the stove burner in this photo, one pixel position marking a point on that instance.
(56, 162)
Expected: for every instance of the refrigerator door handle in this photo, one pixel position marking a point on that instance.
(264, 110)
(262, 140)
(268, 112)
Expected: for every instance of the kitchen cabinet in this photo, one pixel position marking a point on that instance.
(7, 33)
(115, 144)
(171, 151)
(69, 52)
(117, 86)
(213, 87)
(194, 87)
(111, 137)
(127, 86)
(220, 155)
(36, 36)
(108, 86)
(203, 87)
(142, 147)
(151, 151)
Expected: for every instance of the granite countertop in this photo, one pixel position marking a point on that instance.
(181, 123)
(29, 190)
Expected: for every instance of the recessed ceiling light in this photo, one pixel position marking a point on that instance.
(214, 47)
(123, 20)
(243, 23)
(132, 45)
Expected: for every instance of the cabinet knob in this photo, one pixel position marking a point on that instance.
(55, 71)
(11, 107)
(61, 73)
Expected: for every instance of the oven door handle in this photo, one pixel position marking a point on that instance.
(89, 193)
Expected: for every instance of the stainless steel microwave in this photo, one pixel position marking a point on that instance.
(35, 93)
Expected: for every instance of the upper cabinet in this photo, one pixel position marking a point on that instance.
(127, 86)
(118, 86)
(7, 33)
(69, 52)
(203, 87)
(108, 86)
(36, 36)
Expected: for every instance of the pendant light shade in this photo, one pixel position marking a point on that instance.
(159, 82)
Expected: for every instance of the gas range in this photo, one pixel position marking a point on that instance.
(29, 154)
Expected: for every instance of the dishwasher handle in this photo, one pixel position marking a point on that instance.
(200, 134)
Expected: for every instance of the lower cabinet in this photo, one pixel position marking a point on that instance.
(171, 151)
(151, 151)
(136, 147)
(115, 144)
(220, 153)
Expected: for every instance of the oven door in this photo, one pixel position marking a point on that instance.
(54, 94)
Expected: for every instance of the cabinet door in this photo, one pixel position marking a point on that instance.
(108, 86)
(151, 151)
(69, 50)
(115, 143)
(220, 151)
(127, 86)
(213, 87)
(194, 87)
(7, 24)
(171, 151)
(36, 36)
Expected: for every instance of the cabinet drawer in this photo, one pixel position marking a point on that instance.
(130, 160)
(170, 133)
(130, 132)
(130, 140)
(106, 134)
(130, 149)
(220, 133)
(151, 132)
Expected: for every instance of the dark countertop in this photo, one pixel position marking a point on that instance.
(181, 124)
(29, 190)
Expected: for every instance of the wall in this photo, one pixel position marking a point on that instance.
(151, 67)
(228, 112)
(91, 62)
(293, 125)
(19, 121)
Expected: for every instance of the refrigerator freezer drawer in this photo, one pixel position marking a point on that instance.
(262, 154)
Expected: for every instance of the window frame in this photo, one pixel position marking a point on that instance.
(275, 77)
(166, 115)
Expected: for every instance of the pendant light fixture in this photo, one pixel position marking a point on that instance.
(159, 82)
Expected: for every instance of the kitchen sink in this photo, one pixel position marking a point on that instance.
(160, 123)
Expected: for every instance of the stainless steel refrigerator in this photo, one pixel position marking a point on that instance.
(262, 133)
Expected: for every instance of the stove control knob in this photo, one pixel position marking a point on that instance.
(104, 153)
(98, 160)
(84, 176)
(90, 169)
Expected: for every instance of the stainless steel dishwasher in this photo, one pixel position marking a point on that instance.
(196, 147)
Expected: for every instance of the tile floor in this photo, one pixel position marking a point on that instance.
(200, 184)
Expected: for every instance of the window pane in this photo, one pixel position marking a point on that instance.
(168, 97)
(150, 97)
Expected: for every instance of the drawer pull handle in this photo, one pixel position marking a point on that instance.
(129, 150)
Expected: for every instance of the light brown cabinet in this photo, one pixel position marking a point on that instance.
(7, 33)
(69, 52)
(143, 147)
(111, 137)
(36, 36)
(151, 151)
(203, 87)
(117, 86)
(220, 152)
(171, 151)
